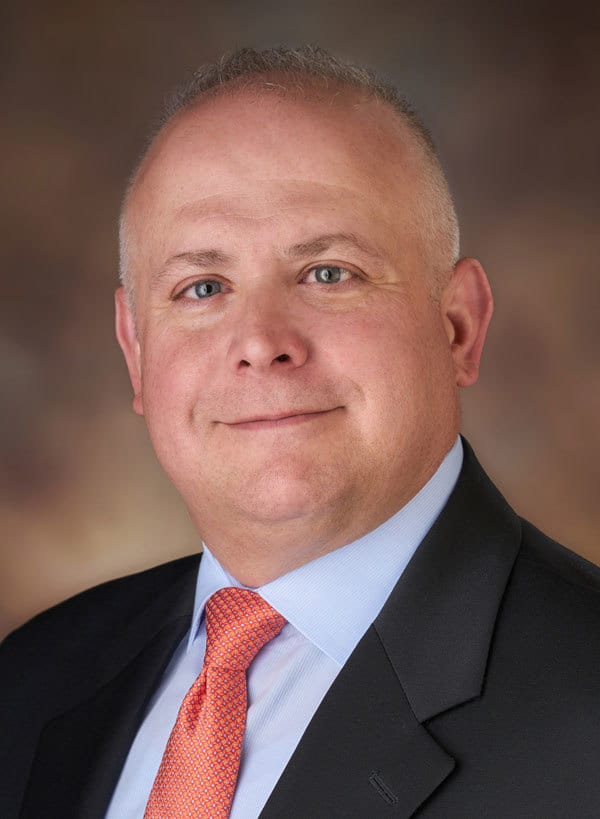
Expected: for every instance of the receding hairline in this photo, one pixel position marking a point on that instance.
(292, 87)
(288, 68)
(305, 73)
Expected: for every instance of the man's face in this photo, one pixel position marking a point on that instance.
(289, 361)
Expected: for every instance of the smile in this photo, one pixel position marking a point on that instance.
(279, 421)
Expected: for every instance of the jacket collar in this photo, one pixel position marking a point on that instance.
(437, 624)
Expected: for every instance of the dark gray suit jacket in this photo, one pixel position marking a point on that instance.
(474, 695)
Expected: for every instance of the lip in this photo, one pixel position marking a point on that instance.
(280, 420)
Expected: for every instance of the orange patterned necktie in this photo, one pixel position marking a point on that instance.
(199, 768)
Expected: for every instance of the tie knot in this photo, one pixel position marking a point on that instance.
(238, 624)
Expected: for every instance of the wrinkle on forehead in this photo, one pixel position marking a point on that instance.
(287, 206)
(267, 200)
(290, 216)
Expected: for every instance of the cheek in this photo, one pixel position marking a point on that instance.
(377, 344)
(175, 366)
(400, 362)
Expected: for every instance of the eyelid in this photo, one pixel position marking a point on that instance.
(203, 279)
(353, 273)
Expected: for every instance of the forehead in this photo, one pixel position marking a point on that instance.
(253, 161)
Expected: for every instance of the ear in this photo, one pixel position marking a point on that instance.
(467, 306)
(128, 341)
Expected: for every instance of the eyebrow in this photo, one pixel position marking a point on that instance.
(199, 259)
(213, 257)
(319, 244)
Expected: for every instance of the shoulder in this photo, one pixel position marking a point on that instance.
(92, 615)
(71, 652)
(555, 574)
(551, 615)
(559, 564)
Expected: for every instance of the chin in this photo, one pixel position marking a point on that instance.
(286, 496)
(283, 501)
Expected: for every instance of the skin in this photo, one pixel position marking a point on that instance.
(292, 413)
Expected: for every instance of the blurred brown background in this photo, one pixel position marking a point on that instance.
(512, 98)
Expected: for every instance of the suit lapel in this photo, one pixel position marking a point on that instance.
(438, 622)
(364, 753)
(81, 750)
(367, 751)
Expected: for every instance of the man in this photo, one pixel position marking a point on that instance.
(371, 630)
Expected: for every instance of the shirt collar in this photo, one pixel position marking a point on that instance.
(333, 599)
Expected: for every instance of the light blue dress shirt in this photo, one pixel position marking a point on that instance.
(329, 604)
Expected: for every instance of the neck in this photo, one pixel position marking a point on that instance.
(256, 552)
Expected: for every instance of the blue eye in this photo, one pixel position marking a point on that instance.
(328, 274)
(203, 290)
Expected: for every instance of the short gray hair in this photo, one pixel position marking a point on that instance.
(294, 70)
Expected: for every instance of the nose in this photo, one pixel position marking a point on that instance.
(265, 339)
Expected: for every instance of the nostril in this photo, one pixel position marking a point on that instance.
(263, 360)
